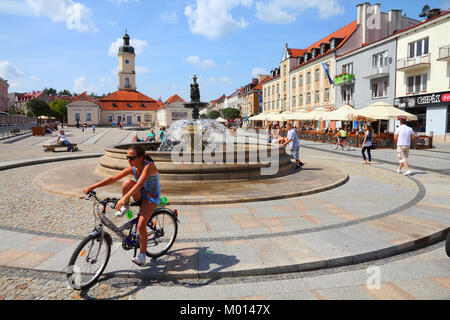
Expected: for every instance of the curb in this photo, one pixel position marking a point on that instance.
(26, 163)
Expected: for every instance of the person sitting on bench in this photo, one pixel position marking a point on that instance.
(62, 140)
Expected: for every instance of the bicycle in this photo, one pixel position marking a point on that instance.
(94, 251)
(336, 143)
(447, 244)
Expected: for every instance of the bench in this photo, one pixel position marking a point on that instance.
(52, 147)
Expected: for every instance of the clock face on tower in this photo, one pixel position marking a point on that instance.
(127, 61)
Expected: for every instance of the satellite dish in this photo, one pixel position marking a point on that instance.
(425, 11)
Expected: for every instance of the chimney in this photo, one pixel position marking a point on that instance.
(364, 18)
(359, 13)
(395, 21)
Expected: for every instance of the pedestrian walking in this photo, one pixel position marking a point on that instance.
(403, 137)
(294, 145)
(93, 128)
(367, 144)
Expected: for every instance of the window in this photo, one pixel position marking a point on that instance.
(317, 75)
(278, 88)
(417, 84)
(308, 78)
(148, 118)
(317, 97)
(347, 68)
(138, 118)
(284, 86)
(347, 94)
(308, 98)
(300, 81)
(327, 94)
(300, 100)
(77, 116)
(293, 83)
(284, 69)
(110, 117)
(419, 48)
(127, 82)
(379, 89)
(294, 101)
(380, 60)
(273, 89)
(88, 116)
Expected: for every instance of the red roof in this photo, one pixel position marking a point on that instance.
(174, 98)
(128, 100)
(295, 53)
(343, 33)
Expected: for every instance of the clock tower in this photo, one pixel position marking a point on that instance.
(127, 74)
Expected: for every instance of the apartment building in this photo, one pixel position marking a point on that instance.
(423, 74)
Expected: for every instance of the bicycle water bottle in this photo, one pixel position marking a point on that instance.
(122, 211)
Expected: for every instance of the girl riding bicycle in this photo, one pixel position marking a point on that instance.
(145, 188)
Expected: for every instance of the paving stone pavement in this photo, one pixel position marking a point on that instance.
(377, 214)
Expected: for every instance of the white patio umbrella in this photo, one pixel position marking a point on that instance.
(383, 111)
(341, 114)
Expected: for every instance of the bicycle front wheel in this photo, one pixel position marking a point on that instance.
(88, 261)
(162, 230)
(447, 245)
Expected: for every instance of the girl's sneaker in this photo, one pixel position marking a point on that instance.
(140, 259)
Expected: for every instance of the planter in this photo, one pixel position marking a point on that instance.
(38, 131)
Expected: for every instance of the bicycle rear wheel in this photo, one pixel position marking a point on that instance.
(346, 147)
(88, 261)
(334, 145)
(162, 230)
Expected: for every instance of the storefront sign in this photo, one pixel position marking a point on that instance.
(425, 100)
(179, 115)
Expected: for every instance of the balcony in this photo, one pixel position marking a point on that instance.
(344, 79)
(377, 72)
(444, 53)
(414, 64)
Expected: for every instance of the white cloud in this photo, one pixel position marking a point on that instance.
(77, 16)
(139, 46)
(17, 80)
(81, 85)
(142, 70)
(170, 17)
(119, 2)
(213, 18)
(202, 64)
(258, 71)
(214, 80)
(286, 11)
(105, 79)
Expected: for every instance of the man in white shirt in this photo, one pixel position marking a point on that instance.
(403, 137)
(294, 145)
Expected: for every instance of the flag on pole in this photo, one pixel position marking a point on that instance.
(327, 71)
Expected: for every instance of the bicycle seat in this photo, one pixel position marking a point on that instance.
(136, 204)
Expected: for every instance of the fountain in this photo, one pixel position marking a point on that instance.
(200, 162)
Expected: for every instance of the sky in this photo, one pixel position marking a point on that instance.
(73, 44)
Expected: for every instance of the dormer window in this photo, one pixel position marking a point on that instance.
(129, 105)
(315, 52)
(143, 105)
(115, 105)
(334, 42)
(300, 60)
(324, 48)
(307, 56)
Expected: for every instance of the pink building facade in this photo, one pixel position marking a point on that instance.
(4, 95)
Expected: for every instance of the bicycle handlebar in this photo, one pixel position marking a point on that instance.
(93, 194)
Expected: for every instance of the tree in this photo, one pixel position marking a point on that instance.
(231, 113)
(203, 116)
(59, 108)
(50, 92)
(214, 114)
(64, 93)
(38, 107)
